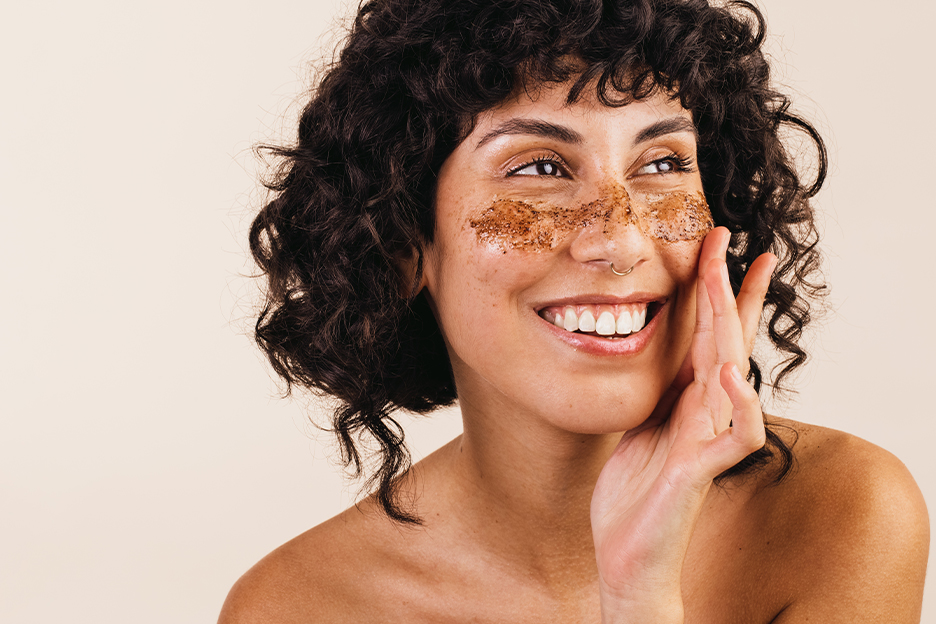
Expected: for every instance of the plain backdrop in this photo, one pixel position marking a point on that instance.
(146, 460)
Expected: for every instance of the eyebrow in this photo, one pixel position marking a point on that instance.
(671, 125)
(535, 127)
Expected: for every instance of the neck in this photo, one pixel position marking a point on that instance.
(523, 489)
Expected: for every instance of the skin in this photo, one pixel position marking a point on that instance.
(542, 510)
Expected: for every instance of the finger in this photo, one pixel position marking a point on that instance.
(750, 299)
(746, 433)
(726, 324)
(728, 337)
(703, 342)
(703, 338)
(714, 246)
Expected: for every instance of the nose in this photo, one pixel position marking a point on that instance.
(612, 236)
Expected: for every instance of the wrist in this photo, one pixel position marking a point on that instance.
(659, 613)
(661, 605)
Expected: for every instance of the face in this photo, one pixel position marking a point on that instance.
(532, 210)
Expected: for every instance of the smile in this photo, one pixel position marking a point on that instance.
(607, 321)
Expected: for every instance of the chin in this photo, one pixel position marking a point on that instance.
(602, 415)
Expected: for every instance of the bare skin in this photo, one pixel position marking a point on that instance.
(581, 489)
(851, 548)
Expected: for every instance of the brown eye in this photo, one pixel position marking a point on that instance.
(658, 166)
(670, 164)
(540, 168)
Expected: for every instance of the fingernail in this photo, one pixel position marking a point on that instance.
(736, 373)
(724, 270)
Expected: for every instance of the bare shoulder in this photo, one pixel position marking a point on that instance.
(309, 579)
(839, 478)
(856, 529)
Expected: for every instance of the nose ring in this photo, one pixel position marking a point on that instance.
(621, 273)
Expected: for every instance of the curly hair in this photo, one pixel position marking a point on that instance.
(354, 194)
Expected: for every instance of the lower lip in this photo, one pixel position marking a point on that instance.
(595, 345)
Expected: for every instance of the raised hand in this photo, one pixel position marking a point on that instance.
(651, 491)
(750, 303)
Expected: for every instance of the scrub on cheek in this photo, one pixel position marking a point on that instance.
(677, 216)
(515, 224)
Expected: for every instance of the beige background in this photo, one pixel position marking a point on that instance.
(145, 462)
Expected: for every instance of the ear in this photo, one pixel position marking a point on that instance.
(409, 265)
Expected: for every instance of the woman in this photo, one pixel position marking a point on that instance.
(515, 205)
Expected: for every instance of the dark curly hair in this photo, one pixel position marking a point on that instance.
(354, 194)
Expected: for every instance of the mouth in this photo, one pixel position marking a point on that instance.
(611, 322)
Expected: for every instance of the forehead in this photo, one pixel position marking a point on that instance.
(548, 114)
(546, 111)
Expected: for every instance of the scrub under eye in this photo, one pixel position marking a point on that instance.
(539, 226)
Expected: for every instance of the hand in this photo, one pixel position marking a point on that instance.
(651, 491)
(750, 304)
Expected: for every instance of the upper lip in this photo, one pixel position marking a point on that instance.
(601, 299)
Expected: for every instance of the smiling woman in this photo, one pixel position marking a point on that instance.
(500, 279)
(571, 218)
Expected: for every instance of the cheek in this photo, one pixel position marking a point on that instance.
(505, 244)
(475, 286)
(515, 225)
(478, 308)
(677, 216)
(681, 260)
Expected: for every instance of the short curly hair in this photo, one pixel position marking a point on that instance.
(354, 194)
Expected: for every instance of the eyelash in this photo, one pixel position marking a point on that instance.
(680, 165)
(541, 160)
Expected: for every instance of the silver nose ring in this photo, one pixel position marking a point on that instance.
(621, 273)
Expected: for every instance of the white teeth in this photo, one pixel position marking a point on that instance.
(624, 324)
(586, 322)
(605, 326)
(571, 321)
(639, 318)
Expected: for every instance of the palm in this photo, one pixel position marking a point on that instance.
(649, 467)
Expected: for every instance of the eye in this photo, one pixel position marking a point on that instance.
(544, 167)
(670, 164)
